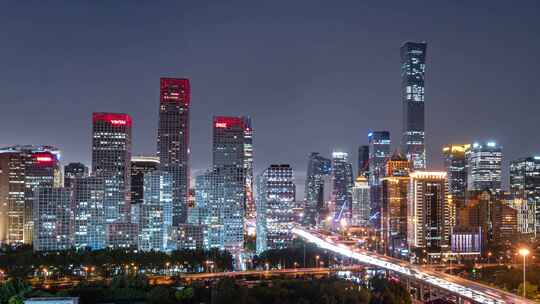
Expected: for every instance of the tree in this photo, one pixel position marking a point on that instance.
(531, 290)
(184, 295)
(159, 295)
(13, 287)
(15, 300)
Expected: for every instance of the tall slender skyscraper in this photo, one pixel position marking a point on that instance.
(342, 183)
(275, 202)
(413, 68)
(173, 140)
(363, 161)
(319, 169)
(53, 219)
(379, 153)
(455, 165)
(228, 155)
(525, 185)
(89, 214)
(111, 156)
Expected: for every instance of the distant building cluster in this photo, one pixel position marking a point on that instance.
(146, 202)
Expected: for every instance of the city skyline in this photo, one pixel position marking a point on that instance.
(263, 95)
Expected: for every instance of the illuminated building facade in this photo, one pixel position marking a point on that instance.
(395, 189)
(228, 155)
(250, 210)
(525, 185)
(319, 169)
(53, 219)
(89, 212)
(484, 167)
(363, 161)
(275, 202)
(428, 211)
(342, 183)
(156, 219)
(505, 222)
(72, 171)
(379, 153)
(361, 202)
(140, 165)
(455, 165)
(22, 170)
(111, 157)
(413, 68)
(173, 140)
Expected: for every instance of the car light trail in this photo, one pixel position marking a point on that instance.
(473, 294)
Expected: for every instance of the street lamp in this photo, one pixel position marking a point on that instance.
(317, 261)
(524, 252)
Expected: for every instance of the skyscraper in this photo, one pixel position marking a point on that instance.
(319, 168)
(428, 211)
(156, 213)
(361, 202)
(53, 219)
(395, 189)
(89, 213)
(140, 165)
(455, 165)
(72, 171)
(484, 167)
(229, 160)
(250, 211)
(379, 153)
(275, 202)
(342, 183)
(22, 169)
(413, 68)
(363, 161)
(525, 185)
(111, 156)
(173, 140)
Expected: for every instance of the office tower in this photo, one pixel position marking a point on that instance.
(173, 140)
(428, 211)
(484, 167)
(89, 212)
(395, 189)
(53, 219)
(363, 161)
(525, 185)
(361, 202)
(140, 165)
(228, 155)
(72, 171)
(276, 193)
(207, 212)
(505, 223)
(342, 183)
(111, 156)
(42, 170)
(413, 68)
(156, 213)
(526, 214)
(250, 210)
(379, 152)
(455, 165)
(319, 169)
(22, 169)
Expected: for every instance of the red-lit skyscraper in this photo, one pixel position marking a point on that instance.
(173, 140)
(111, 157)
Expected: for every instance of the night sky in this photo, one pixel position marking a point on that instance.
(313, 75)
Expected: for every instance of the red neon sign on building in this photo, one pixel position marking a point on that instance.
(229, 122)
(44, 157)
(115, 119)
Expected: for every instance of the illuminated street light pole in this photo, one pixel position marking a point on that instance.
(524, 252)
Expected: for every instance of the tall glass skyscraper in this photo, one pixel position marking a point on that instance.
(89, 213)
(319, 168)
(484, 167)
(525, 184)
(455, 165)
(173, 140)
(361, 202)
(379, 153)
(363, 161)
(155, 225)
(111, 156)
(413, 68)
(53, 219)
(342, 183)
(275, 202)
